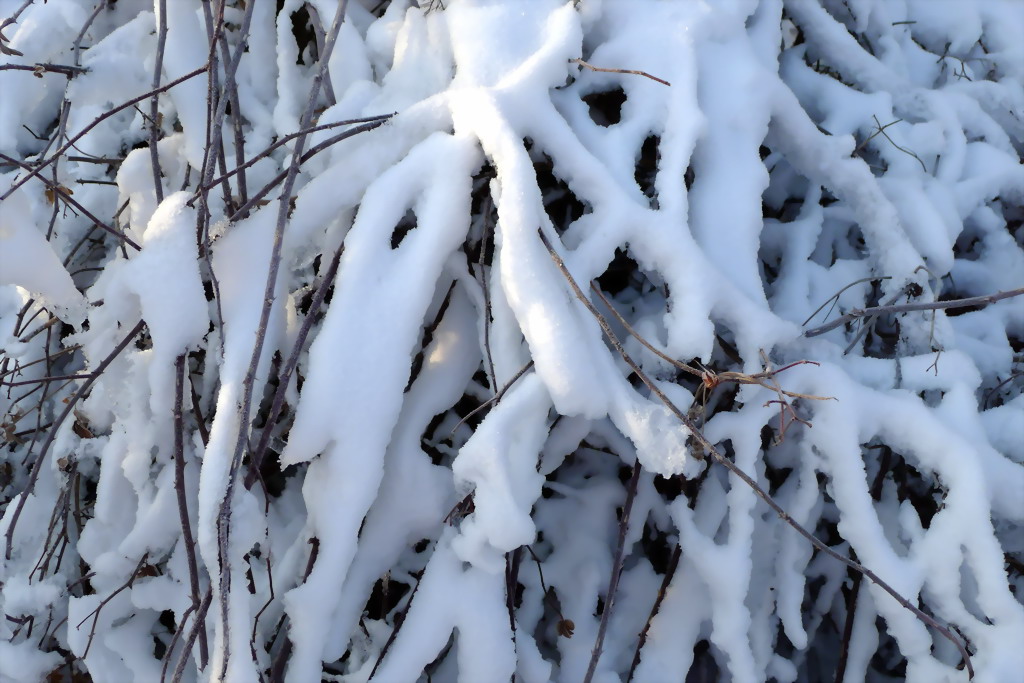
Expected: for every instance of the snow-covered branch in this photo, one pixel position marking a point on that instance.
(403, 341)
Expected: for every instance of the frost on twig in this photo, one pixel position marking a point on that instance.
(292, 388)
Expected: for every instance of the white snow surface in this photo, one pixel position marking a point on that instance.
(442, 493)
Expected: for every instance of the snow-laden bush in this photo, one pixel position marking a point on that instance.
(293, 388)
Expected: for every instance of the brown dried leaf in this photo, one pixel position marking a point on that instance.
(566, 627)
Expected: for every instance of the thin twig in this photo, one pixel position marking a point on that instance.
(835, 297)
(646, 344)
(62, 192)
(710, 378)
(284, 653)
(870, 321)
(175, 637)
(13, 19)
(95, 122)
(52, 435)
(154, 103)
(21, 367)
(613, 580)
(670, 572)
(485, 286)
(180, 367)
(258, 197)
(881, 129)
(43, 380)
(906, 308)
(197, 625)
(248, 382)
(735, 469)
(95, 614)
(493, 399)
(399, 620)
(41, 68)
(620, 71)
(512, 564)
(270, 600)
(95, 160)
(284, 376)
(288, 138)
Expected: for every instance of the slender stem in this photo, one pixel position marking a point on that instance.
(180, 367)
(258, 197)
(197, 626)
(906, 308)
(613, 580)
(224, 514)
(835, 297)
(620, 71)
(154, 103)
(95, 122)
(63, 69)
(285, 375)
(288, 138)
(59, 191)
(670, 572)
(493, 399)
(52, 434)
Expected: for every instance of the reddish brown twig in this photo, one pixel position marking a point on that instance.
(620, 71)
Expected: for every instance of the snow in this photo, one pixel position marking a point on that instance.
(429, 505)
(165, 276)
(27, 260)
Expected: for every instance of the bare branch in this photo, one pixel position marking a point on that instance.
(620, 71)
(906, 308)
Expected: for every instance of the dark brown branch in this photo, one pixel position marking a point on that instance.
(19, 368)
(710, 378)
(175, 637)
(95, 160)
(268, 603)
(154, 103)
(399, 620)
(288, 138)
(43, 380)
(485, 232)
(285, 652)
(835, 297)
